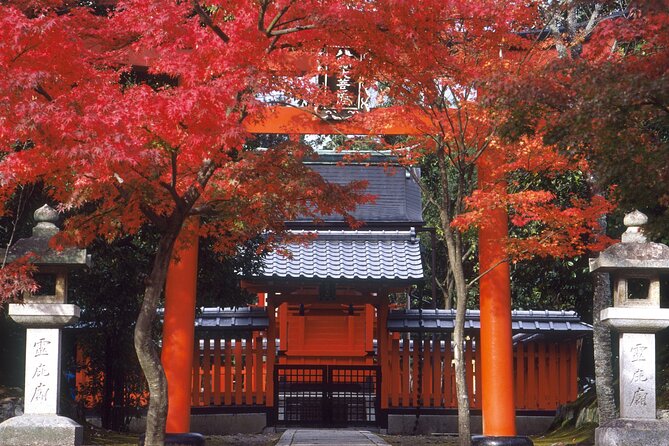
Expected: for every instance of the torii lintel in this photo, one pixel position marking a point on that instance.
(379, 121)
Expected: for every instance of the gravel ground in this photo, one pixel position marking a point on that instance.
(271, 439)
(243, 440)
(101, 437)
(420, 440)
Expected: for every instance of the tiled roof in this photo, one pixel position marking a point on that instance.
(232, 319)
(526, 324)
(397, 196)
(367, 255)
(521, 321)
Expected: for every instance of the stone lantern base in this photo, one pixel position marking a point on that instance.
(41, 430)
(630, 432)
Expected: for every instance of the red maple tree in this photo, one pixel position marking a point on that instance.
(132, 113)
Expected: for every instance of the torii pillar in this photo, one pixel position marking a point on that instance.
(497, 387)
(179, 335)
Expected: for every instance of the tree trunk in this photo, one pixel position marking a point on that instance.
(454, 250)
(464, 426)
(146, 347)
(601, 335)
(455, 262)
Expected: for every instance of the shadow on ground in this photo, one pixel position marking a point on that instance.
(582, 436)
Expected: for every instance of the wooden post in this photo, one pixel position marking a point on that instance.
(395, 387)
(227, 381)
(217, 370)
(573, 369)
(238, 371)
(179, 328)
(271, 349)
(553, 376)
(382, 333)
(477, 366)
(406, 371)
(436, 371)
(258, 374)
(415, 398)
(520, 376)
(469, 372)
(248, 370)
(531, 385)
(449, 377)
(426, 397)
(542, 377)
(563, 356)
(369, 327)
(195, 385)
(206, 371)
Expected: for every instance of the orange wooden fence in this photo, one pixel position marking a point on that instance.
(233, 372)
(545, 373)
(230, 372)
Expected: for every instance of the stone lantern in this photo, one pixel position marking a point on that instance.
(44, 314)
(635, 266)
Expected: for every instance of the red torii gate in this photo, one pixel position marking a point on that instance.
(498, 405)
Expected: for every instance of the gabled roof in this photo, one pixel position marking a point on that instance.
(349, 255)
(398, 198)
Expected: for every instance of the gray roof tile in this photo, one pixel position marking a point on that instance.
(232, 319)
(368, 255)
(525, 324)
(397, 195)
(521, 321)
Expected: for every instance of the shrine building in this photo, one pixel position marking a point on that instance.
(325, 347)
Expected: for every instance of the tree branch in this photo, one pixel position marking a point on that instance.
(283, 32)
(261, 17)
(39, 89)
(278, 17)
(206, 19)
(20, 206)
(475, 279)
(203, 176)
(593, 19)
(175, 196)
(154, 218)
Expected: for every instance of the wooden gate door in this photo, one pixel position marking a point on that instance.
(327, 395)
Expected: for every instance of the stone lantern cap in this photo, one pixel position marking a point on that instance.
(38, 244)
(49, 310)
(634, 252)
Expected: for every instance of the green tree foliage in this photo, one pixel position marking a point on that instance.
(109, 294)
